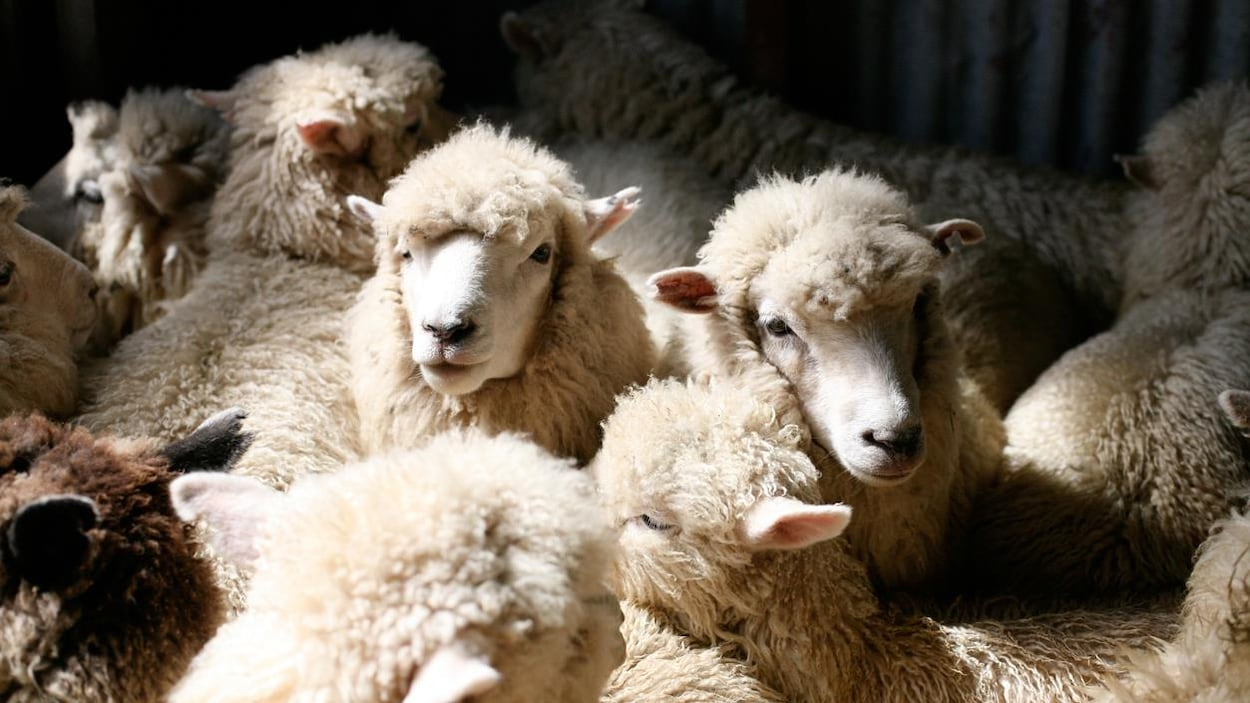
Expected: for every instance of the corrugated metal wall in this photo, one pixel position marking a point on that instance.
(1050, 82)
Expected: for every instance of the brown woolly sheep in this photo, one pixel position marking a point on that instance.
(46, 316)
(103, 598)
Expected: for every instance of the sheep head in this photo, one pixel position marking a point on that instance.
(103, 596)
(472, 566)
(476, 236)
(310, 129)
(1190, 223)
(831, 282)
(46, 315)
(702, 481)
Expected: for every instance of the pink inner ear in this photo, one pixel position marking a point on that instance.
(686, 289)
(785, 523)
(321, 136)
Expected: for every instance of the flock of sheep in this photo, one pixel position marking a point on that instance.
(909, 424)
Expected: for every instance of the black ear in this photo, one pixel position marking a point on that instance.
(215, 445)
(47, 540)
(526, 39)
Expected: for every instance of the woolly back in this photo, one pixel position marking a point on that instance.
(490, 544)
(126, 622)
(1192, 227)
(284, 197)
(484, 180)
(680, 466)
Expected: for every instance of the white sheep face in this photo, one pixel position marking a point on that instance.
(855, 378)
(473, 304)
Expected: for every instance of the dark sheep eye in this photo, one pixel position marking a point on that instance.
(542, 254)
(407, 255)
(653, 524)
(6, 273)
(89, 192)
(777, 327)
(414, 127)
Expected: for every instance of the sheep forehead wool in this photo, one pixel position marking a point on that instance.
(486, 181)
(1203, 144)
(163, 125)
(79, 637)
(850, 241)
(12, 201)
(490, 541)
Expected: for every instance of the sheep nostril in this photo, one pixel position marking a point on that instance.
(452, 333)
(902, 443)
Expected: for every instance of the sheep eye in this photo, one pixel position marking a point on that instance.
(653, 524)
(414, 127)
(6, 273)
(89, 191)
(407, 255)
(542, 254)
(777, 327)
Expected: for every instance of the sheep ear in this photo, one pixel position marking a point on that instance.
(527, 40)
(91, 119)
(49, 541)
(686, 288)
(168, 186)
(222, 101)
(966, 232)
(606, 214)
(330, 134)
(1236, 405)
(216, 445)
(452, 675)
(1139, 170)
(235, 508)
(786, 523)
(364, 208)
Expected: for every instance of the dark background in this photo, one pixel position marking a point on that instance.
(1050, 82)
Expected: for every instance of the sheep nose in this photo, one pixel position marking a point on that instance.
(451, 332)
(902, 443)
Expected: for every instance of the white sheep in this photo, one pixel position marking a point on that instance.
(722, 536)
(474, 567)
(261, 325)
(1118, 463)
(46, 316)
(147, 242)
(488, 307)
(830, 283)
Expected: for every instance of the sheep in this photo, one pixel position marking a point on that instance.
(830, 285)
(148, 240)
(68, 196)
(1117, 461)
(607, 69)
(104, 599)
(262, 323)
(46, 316)
(1194, 173)
(722, 535)
(1209, 659)
(488, 308)
(662, 664)
(474, 566)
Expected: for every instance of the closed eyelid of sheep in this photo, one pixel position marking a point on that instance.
(46, 315)
(831, 286)
(104, 596)
(509, 322)
(439, 576)
(777, 591)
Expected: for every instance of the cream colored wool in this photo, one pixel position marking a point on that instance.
(663, 665)
(148, 242)
(489, 545)
(261, 326)
(46, 315)
(847, 245)
(679, 203)
(1209, 660)
(591, 340)
(1118, 460)
(698, 462)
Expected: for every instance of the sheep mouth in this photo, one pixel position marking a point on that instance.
(887, 470)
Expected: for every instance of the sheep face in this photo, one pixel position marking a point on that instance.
(833, 285)
(103, 597)
(46, 314)
(472, 567)
(1195, 169)
(476, 235)
(700, 480)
